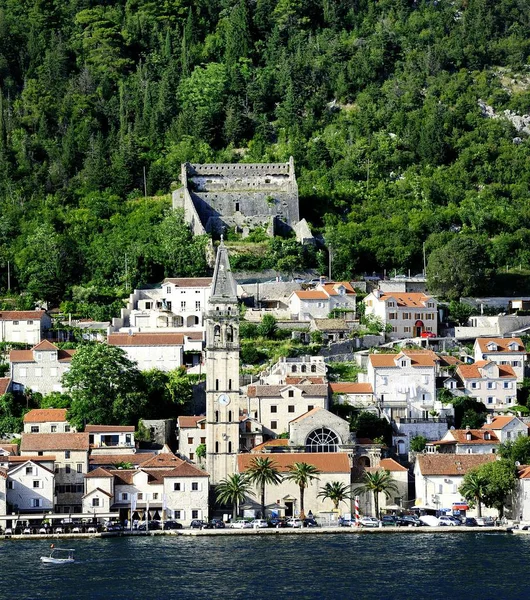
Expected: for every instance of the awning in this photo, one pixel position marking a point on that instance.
(460, 506)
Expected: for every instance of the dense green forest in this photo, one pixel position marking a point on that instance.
(378, 102)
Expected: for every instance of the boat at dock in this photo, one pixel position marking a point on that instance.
(59, 556)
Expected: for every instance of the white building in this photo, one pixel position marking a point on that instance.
(31, 484)
(191, 434)
(359, 395)
(111, 439)
(25, 326)
(39, 369)
(438, 477)
(162, 351)
(305, 305)
(493, 384)
(178, 304)
(3, 489)
(502, 351)
(399, 497)
(47, 420)
(506, 428)
(409, 314)
(293, 370)
(466, 441)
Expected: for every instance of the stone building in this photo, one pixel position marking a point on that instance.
(47, 420)
(217, 197)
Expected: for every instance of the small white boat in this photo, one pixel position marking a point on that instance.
(59, 556)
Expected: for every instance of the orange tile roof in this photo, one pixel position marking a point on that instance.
(502, 344)
(452, 464)
(189, 422)
(99, 472)
(418, 359)
(21, 315)
(45, 345)
(446, 359)
(302, 380)
(3, 473)
(4, 385)
(310, 295)
(498, 423)
(332, 287)
(524, 472)
(26, 356)
(412, 300)
(351, 387)
(326, 462)
(21, 459)
(473, 372)
(123, 476)
(36, 442)
(165, 459)
(146, 339)
(477, 437)
(11, 449)
(274, 391)
(189, 282)
(276, 443)
(137, 458)
(389, 464)
(46, 415)
(309, 413)
(109, 428)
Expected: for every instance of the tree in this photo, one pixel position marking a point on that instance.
(268, 326)
(104, 385)
(516, 451)
(335, 491)
(233, 490)
(263, 472)
(379, 482)
(500, 477)
(473, 489)
(460, 312)
(302, 474)
(418, 443)
(469, 412)
(200, 452)
(460, 268)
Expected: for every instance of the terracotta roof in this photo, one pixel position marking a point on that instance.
(277, 443)
(36, 442)
(446, 359)
(46, 415)
(302, 380)
(326, 462)
(26, 356)
(3, 473)
(185, 469)
(4, 384)
(146, 339)
(477, 436)
(331, 324)
(418, 359)
(189, 282)
(99, 472)
(502, 344)
(309, 413)
(21, 459)
(310, 295)
(524, 472)
(332, 287)
(109, 428)
(98, 489)
(123, 476)
(21, 315)
(388, 464)
(188, 422)
(452, 464)
(412, 300)
(45, 345)
(20, 463)
(165, 459)
(473, 372)
(350, 387)
(137, 458)
(498, 423)
(12, 449)
(274, 391)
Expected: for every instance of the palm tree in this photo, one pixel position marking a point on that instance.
(233, 490)
(473, 488)
(302, 474)
(263, 471)
(336, 491)
(377, 482)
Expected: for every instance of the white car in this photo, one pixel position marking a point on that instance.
(295, 523)
(259, 524)
(445, 520)
(429, 520)
(241, 524)
(369, 522)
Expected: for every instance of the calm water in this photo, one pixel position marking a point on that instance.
(448, 566)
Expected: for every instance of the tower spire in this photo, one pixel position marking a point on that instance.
(224, 287)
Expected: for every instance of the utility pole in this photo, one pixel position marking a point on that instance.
(330, 259)
(8, 276)
(126, 275)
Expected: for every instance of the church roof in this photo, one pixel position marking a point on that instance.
(224, 287)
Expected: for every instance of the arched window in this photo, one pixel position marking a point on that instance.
(322, 440)
(229, 334)
(313, 368)
(303, 369)
(217, 333)
(293, 368)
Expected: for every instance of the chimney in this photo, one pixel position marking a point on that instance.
(377, 293)
(489, 419)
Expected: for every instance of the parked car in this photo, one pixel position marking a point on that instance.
(369, 522)
(410, 521)
(277, 522)
(429, 520)
(485, 521)
(295, 523)
(115, 526)
(428, 334)
(390, 521)
(259, 524)
(240, 524)
(470, 522)
(216, 524)
(346, 522)
(311, 522)
(448, 521)
(172, 525)
(198, 524)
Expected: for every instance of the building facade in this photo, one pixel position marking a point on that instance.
(502, 351)
(24, 326)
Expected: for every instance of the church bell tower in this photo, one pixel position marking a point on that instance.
(222, 372)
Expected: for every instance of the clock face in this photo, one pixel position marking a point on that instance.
(224, 399)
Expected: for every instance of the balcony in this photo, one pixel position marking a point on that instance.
(412, 421)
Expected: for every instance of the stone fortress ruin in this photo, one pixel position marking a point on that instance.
(219, 197)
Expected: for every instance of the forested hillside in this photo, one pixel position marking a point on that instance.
(378, 102)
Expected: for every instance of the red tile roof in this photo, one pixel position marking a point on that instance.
(411, 300)
(502, 344)
(418, 359)
(165, 459)
(36, 442)
(21, 459)
(46, 415)
(298, 380)
(477, 436)
(524, 472)
(109, 428)
(473, 372)
(26, 356)
(277, 443)
(309, 413)
(146, 339)
(45, 345)
(12, 449)
(498, 423)
(189, 282)
(326, 462)
(452, 464)
(4, 385)
(331, 288)
(350, 387)
(388, 464)
(99, 472)
(21, 315)
(3, 473)
(274, 391)
(310, 295)
(189, 422)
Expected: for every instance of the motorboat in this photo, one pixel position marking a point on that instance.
(59, 556)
